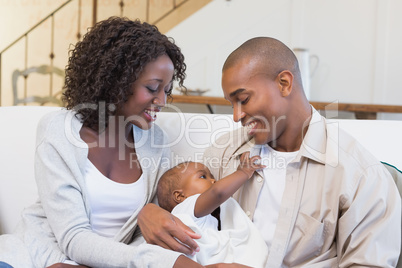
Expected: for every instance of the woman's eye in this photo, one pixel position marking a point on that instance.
(203, 177)
(168, 88)
(152, 89)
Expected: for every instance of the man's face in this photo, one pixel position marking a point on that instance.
(257, 100)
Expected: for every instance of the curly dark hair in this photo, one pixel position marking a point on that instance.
(104, 65)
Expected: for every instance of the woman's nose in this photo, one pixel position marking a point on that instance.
(160, 99)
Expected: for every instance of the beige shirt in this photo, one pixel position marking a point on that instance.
(340, 207)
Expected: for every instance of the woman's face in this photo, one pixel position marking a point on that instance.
(149, 93)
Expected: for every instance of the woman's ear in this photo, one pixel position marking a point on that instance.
(178, 196)
(285, 80)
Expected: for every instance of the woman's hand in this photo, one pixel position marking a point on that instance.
(227, 265)
(159, 227)
(184, 262)
(65, 265)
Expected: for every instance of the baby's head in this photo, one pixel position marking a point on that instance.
(182, 181)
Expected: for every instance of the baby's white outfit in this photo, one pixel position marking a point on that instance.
(238, 241)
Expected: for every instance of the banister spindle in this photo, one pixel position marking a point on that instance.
(121, 8)
(94, 11)
(147, 14)
(52, 55)
(25, 36)
(26, 67)
(79, 21)
(0, 80)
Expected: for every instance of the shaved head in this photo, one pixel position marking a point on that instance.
(262, 81)
(272, 56)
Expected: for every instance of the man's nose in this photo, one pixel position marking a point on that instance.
(238, 114)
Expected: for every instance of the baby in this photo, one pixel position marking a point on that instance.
(191, 193)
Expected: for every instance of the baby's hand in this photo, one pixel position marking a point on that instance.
(249, 165)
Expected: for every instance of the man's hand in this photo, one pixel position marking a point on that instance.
(249, 165)
(159, 227)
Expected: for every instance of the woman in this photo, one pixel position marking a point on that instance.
(88, 163)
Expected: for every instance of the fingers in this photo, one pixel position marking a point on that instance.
(253, 162)
(159, 227)
(245, 159)
(192, 234)
(177, 236)
(171, 243)
(171, 236)
(256, 162)
(245, 156)
(186, 235)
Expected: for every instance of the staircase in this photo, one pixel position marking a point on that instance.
(44, 46)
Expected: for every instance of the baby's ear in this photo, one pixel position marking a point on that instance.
(178, 196)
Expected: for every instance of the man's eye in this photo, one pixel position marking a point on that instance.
(203, 177)
(244, 101)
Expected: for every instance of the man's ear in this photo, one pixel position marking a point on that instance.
(285, 80)
(178, 196)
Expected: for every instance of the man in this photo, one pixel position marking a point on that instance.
(323, 200)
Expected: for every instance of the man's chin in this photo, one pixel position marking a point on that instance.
(261, 140)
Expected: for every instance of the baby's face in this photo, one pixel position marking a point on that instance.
(196, 179)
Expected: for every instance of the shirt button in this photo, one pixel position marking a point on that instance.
(248, 213)
(259, 179)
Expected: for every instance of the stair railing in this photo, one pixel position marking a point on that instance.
(175, 4)
(51, 55)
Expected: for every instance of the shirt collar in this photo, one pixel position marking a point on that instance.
(320, 142)
(316, 144)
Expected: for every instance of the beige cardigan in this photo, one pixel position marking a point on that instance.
(62, 212)
(340, 206)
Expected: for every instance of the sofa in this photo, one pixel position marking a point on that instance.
(189, 135)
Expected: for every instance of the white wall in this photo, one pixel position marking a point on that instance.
(358, 42)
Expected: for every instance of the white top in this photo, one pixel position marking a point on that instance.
(238, 241)
(111, 203)
(270, 197)
(188, 207)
